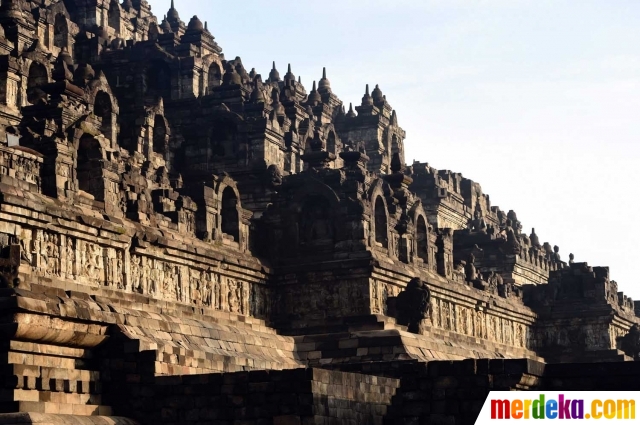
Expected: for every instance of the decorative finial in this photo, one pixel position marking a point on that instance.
(366, 99)
(376, 94)
(351, 114)
(314, 96)
(324, 85)
(206, 26)
(173, 13)
(289, 75)
(274, 75)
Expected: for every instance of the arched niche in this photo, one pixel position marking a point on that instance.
(160, 135)
(222, 139)
(89, 167)
(215, 76)
(158, 79)
(103, 109)
(113, 15)
(316, 232)
(60, 31)
(230, 218)
(380, 216)
(422, 239)
(37, 77)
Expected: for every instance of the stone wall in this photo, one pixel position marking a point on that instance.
(454, 392)
(167, 216)
(296, 397)
(62, 347)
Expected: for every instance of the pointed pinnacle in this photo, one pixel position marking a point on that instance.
(274, 65)
(206, 26)
(172, 5)
(299, 80)
(314, 86)
(324, 73)
(367, 90)
(289, 68)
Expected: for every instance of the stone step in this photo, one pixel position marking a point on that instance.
(55, 408)
(56, 419)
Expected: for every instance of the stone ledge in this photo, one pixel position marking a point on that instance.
(47, 419)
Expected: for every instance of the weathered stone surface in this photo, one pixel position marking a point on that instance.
(47, 419)
(168, 218)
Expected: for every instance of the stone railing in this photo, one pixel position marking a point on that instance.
(70, 249)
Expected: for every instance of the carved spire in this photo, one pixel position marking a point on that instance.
(366, 99)
(376, 94)
(289, 75)
(274, 75)
(351, 113)
(324, 84)
(314, 97)
(172, 14)
(256, 95)
(166, 27)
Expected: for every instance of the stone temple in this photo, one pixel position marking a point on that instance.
(184, 241)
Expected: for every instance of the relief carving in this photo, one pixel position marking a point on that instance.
(70, 258)
(136, 275)
(91, 262)
(375, 297)
(170, 283)
(194, 286)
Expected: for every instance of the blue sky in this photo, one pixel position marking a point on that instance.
(538, 101)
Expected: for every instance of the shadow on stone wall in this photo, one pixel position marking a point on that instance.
(451, 392)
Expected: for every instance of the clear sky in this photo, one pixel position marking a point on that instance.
(538, 100)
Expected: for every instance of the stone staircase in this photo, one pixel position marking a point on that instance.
(360, 341)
